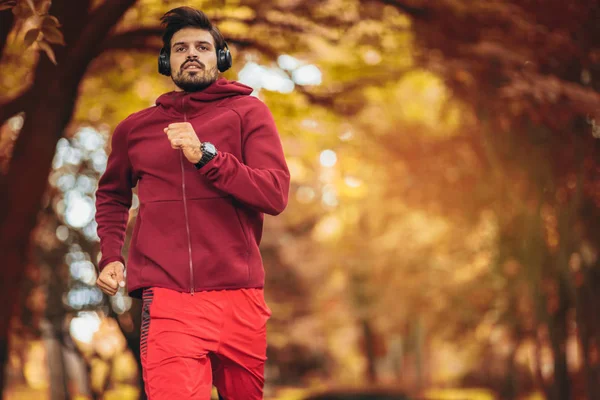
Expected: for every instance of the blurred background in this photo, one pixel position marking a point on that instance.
(441, 239)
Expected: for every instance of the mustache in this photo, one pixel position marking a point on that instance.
(192, 62)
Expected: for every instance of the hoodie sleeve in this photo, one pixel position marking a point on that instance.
(113, 199)
(262, 181)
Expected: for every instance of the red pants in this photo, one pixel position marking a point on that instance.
(190, 342)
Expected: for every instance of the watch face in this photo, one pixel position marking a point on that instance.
(209, 148)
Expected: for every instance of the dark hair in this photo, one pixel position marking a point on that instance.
(187, 17)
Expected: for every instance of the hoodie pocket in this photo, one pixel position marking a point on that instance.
(163, 243)
(220, 246)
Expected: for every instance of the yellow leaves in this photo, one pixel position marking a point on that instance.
(122, 392)
(352, 187)
(419, 99)
(536, 396)
(234, 28)
(341, 9)
(365, 28)
(35, 371)
(298, 172)
(51, 32)
(108, 340)
(460, 394)
(291, 394)
(305, 194)
(23, 9)
(300, 24)
(396, 18)
(473, 270)
(43, 29)
(99, 373)
(124, 368)
(421, 95)
(329, 228)
(233, 11)
(48, 50)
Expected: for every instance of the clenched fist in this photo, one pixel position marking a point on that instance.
(111, 278)
(182, 136)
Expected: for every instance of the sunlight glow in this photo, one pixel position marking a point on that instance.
(328, 158)
(80, 209)
(305, 194)
(307, 75)
(80, 297)
(259, 77)
(352, 181)
(120, 302)
(287, 62)
(84, 326)
(84, 271)
(328, 228)
(62, 233)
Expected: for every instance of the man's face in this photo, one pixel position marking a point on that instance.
(193, 59)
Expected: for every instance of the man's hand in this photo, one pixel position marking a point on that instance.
(182, 136)
(111, 278)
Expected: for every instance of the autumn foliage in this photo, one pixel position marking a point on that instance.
(441, 230)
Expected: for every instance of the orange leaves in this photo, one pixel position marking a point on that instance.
(48, 50)
(42, 28)
(7, 4)
(50, 30)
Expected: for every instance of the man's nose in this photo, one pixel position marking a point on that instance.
(192, 52)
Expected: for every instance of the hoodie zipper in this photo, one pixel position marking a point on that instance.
(185, 208)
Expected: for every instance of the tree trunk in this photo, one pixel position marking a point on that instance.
(557, 329)
(3, 361)
(46, 116)
(6, 24)
(58, 376)
(585, 351)
(511, 385)
(419, 353)
(538, 371)
(132, 338)
(586, 318)
(370, 350)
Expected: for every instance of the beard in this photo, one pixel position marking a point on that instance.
(194, 81)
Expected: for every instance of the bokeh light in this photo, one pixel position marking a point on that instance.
(84, 326)
(328, 158)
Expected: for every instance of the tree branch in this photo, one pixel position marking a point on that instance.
(14, 106)
(148, 39)
(144, 39)
(326, 98)
(416, 12)
(6, 25)
(100, 23)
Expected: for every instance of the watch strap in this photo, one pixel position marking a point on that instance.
(207, 154)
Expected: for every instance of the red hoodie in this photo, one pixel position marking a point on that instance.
(196, 229)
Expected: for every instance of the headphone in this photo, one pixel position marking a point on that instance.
(224, 60)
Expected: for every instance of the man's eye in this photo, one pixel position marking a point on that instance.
(179, 49)
(203, 48)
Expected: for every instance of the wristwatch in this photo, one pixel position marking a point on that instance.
(209, 151)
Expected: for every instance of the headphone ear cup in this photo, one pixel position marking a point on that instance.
(224, 61)
(164, 66)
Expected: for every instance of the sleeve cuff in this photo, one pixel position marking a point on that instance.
(212, 164)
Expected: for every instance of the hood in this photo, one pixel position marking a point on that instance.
(178, 101)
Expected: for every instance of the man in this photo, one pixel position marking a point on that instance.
(208, 163)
